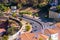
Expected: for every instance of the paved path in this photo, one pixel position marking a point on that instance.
(17, 34)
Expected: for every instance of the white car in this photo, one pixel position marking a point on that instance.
(13, 10)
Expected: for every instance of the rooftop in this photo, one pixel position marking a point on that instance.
(2, 30)
(57, 25)
(33, 36)
(50, 31)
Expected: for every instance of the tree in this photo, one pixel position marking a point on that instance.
(11, 30)
(19, 5)
(50, 38)
(5, 37)
(58, 8)
(23, 2)
(34, 2)
(40, 39)
(49, 1)
(14, 14)
(36, 14)
(27, 28)
(25, 12)
(1, 14)
(20, 19)
(3, 7)
(14, 1)
(5, 1)
(40, 5)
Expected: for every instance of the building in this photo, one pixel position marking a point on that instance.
(4, 24)
(52, 33)
(58, 1)
(13, 8)
(33, 36)
(58, 28)
(55, 2)
(2, 30)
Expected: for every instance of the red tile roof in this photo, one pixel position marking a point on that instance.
(33, 36)
(44, 37)
(2, 30)
(58, 28)
(57, 25)
(50, 31)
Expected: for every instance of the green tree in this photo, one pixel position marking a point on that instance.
(5, 1)
(40, 5)
(40, 39)
(14, 1)
(20, 19)
(34, 2)
(3, 7)
(36, 14)
(25, 12)
(27, 28)
(11, 30)
(1, 14)
(24, 2)
(14, 14)
(50, 38)
(58, 8)
(19, 5)
(5, 37)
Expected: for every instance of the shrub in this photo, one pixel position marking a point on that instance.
(40, 39)
(40, 5)
(36, 14)
(58, 8)
(50, 38)
(14, 14)
(29, 13)
(1, 14)
(5, 37)
(3, 7)
(27, 28)
(19, 5)
(11, 30)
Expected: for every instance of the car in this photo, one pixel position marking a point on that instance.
(35, 26)
(31, 23)
(35, 30)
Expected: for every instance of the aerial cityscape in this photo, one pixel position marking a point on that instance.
(29, 19)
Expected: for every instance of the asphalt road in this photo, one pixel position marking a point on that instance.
(36, 24)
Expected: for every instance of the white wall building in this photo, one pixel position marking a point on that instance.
(53, 34)
(13, 8)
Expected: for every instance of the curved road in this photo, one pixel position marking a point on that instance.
(26, 18)
(16, 21)
(35, 23)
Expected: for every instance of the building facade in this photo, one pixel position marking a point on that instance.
(55, 2)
